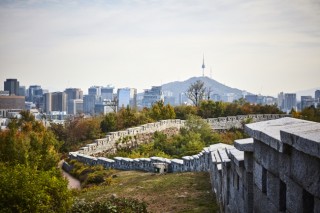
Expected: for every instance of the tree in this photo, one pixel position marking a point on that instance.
(159, 111)
(24, 189)
(29, 178)
(196, 92)
(109, 122)
(183, 111)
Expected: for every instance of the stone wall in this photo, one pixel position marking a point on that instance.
(277, 170)
(109, 143)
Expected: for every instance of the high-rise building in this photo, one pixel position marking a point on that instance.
(317, 96)
(290, 102)
(281, 100)
(72, 94)
(127, 97)
(34, 91)
(95, 91)
(89, 102)
(76, 106)
(59, 101)
(22, 90)
(12, 85)
(150, 96)
(107, 93)
(306, 101)
(47, 102)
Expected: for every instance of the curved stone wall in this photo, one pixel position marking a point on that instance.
(109, 142)
(277, 170)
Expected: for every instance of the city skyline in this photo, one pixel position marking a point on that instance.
(262, 47)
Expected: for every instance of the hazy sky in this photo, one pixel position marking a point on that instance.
(263, 46)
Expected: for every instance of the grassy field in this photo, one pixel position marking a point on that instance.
(180, 192)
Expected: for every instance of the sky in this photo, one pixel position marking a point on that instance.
(263, 47)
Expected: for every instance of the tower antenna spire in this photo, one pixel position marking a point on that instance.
(203, 66)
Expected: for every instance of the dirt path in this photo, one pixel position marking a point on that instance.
(73, 183)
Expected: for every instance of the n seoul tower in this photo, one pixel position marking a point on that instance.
(203, 66)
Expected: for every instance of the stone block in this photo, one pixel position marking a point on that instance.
(305, 170)
(258, 176)
(248, 161)
(261, 204)
(294, 196)
(305, 138)
(245, 145)
(267, 157)
(248, 181)
(273, 189)
(316, 205)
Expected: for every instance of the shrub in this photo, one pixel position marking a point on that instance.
(109, 205)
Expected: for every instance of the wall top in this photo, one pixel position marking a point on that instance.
(291, 131)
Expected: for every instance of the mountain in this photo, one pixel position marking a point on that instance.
(306, 92)
(222, 90)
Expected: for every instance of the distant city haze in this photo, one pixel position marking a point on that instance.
(262, 47)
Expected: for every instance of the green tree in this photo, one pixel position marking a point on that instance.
(109, 122)
(24, 189)
(159, 111)
(182, 112)
(29, 178)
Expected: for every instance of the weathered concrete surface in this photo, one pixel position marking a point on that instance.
(244, 144)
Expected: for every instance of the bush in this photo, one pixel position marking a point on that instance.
(109, 205)
(94, 178)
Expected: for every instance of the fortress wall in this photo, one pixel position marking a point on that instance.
(109, 143)
(277, 170)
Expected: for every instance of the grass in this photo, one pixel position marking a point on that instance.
(179, 192)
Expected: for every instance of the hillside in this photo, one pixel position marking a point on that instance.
(178, 87)
(306, 93)
(180, 192)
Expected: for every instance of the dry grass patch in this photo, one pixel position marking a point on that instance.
(180, 192)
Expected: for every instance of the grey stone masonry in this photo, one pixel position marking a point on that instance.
(277, 170)
(111, 141)
(286, 164)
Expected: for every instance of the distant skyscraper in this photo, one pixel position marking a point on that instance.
(75, 106)
(306, 101)
(151, 96)
(96, 91)
(12, 85)
(33, 91)
(281, 100)
(127, 97)
(89, 102)
(290, 102)
(72, 94)
(107, 93)
(317, 96)
(59, 101)
(47, 102)
(22, 90)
